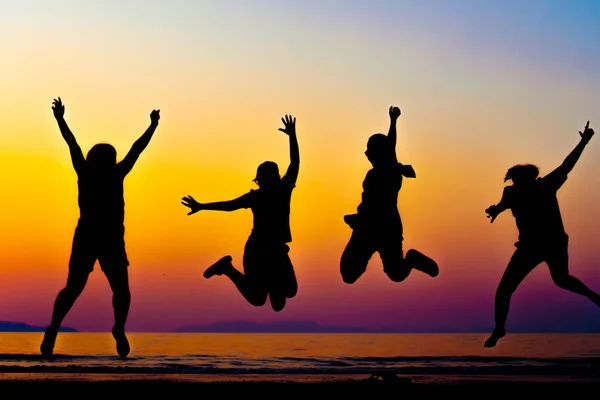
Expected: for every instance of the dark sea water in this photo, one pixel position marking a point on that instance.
(206, 354)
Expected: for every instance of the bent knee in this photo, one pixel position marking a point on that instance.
(398, 274)
(258, 299)
(350, 278)
(351, 271)
(278, 303)
(291, 293)
(562, 281)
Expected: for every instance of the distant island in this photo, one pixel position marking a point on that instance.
(584, 326)
(276, 327)
(8, 326)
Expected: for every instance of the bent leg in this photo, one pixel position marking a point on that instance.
(250, 283)
(421, 262)
(521, 264)
(395, 266)
(356, 256)
(282, 283)
(76, 281)
(558, 264)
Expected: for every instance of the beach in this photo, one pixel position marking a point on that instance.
(13, 387)
(288, 364)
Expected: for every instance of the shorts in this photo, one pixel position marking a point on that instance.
(268, 266)
(89, 245)
(366, 241)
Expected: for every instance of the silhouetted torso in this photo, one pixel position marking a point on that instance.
(536, 210)
(379, 205)
(101, 202)
(271, 210)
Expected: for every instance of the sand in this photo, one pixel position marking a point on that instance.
(19, 386)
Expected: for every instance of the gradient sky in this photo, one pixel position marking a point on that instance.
(482, 85)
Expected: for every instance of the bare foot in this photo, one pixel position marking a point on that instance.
(47, 346)
(494, 337)
(122, 342)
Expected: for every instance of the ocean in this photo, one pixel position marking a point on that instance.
(233, 355)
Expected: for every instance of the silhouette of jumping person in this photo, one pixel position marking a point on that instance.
(100, 231)
(377, 227)
(542, 237)
(268, 270)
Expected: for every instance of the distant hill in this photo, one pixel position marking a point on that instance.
(275, 327)
(8, 326)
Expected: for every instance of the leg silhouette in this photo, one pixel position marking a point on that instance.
(363, 244)
(253, 290)
(558, 264)
(281, 278)
(356, 255)
(396, 266)
(520, 265)
(268, 272)
(118, 279)
(76, 281)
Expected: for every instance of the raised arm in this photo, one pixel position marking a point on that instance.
(289, 129)
(140, 145)
(76, 155)
(230, 205)
(392, 134)
(567, 166)
(504, 204)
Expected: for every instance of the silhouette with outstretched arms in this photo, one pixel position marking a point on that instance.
(268, 270)
(542, 237)
(377, 227)
(100, 231)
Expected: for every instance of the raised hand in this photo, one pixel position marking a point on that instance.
(394, 113)
(587, 132)
(58, 108)
(192, 204)
(155, 116)
(290, 125)
(492, 213)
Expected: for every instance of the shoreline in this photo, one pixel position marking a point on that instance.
(300, 379)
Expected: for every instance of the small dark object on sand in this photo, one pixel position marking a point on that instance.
(385, 377)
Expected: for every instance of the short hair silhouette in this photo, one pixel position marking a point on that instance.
(521, 173)
(266, 173)
(101, 155)
(380, 149)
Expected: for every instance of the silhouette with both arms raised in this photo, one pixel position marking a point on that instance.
(377, 227)
(100, 231)
(268, 270)
(542, 237)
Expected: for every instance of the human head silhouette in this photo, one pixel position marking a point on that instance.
(101, 157)
(522, 174)
(380, 150)
(267, 174)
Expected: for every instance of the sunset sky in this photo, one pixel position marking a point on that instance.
(482, 85)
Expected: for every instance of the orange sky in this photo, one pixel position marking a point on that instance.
(222, 81)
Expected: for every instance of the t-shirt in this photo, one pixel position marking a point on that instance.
(101, 201)
(271, 210)
(379, 205)
(536, 210)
